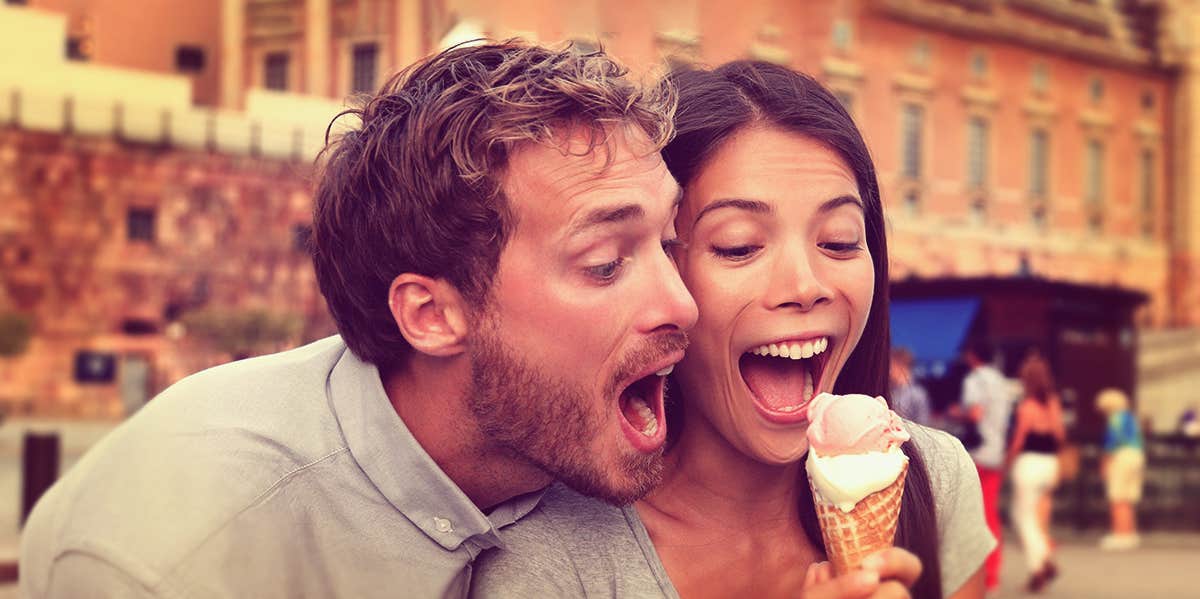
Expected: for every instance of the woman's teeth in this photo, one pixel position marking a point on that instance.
(795, 351)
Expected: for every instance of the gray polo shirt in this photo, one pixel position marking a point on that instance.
(283, 476)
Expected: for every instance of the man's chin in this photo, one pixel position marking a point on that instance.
(632, 479)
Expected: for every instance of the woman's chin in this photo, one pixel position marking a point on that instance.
(776, 448)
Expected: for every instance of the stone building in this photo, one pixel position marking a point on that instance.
(1048, 138)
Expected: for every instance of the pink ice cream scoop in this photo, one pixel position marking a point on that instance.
(852, 424)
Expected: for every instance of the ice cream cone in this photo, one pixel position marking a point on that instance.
(868, 528)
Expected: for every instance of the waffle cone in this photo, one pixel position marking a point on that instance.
(870, 527)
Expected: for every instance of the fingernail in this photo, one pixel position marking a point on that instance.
(868, 577)
(873, 563)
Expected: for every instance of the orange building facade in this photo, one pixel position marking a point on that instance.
(1053, 138)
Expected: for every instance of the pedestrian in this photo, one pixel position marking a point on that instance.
(492, 238)
(1123, 469)
(987, 401)
(1038, 435)
(909, 398)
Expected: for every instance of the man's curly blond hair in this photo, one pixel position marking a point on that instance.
(415, 184)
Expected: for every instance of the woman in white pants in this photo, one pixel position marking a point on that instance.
(1037, 436)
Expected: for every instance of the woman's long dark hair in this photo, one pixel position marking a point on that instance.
(713, 105)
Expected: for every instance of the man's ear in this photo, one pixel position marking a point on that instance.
(430, 313)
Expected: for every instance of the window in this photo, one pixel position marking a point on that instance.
(1094, 171)
(843, 34)
(979, 64)
(1096, 90)
(912, 202)
(585, 46)
(301, 234)
(365, 57)
(1148, 101)
(275, 71)
(139, 224)
(94, 367)
(1146, 191)
(77, 48)
(913, 117)
(921, 54)
(189, 59)
(138, 326)
(1041, 78)
(977, 143)
(1094, 186)
(846, 99)
(1039, 159)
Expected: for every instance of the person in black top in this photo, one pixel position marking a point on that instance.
(1038, 434)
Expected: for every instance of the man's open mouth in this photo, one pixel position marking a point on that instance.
(784, 376)
(642, 413)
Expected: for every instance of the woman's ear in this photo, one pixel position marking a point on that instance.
(430, 313)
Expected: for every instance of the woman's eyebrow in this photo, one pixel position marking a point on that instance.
(835, 203)
(755, 206)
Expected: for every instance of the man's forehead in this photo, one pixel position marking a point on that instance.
(538, 172)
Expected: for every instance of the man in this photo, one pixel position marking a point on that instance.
(491, 243)
(909, 398)
(987, 399)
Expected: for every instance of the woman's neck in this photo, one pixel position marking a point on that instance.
(709, 480)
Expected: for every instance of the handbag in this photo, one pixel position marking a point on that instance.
(1068, 462)
(969, 435)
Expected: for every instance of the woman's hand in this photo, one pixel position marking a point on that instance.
(886, 575)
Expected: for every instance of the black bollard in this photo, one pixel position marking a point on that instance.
(39, 456)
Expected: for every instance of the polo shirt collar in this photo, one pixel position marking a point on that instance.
(401, 469)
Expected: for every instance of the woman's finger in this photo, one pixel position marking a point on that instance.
(895, 564)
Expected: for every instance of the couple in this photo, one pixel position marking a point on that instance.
(505, 251)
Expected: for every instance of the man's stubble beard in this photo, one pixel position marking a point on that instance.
(551, 424)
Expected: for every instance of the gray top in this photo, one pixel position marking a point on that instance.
(574, 546)
(283, 476)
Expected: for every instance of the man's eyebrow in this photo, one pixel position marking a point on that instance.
(755, 206)
(606, 215)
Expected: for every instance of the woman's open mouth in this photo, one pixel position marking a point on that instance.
(784, 376)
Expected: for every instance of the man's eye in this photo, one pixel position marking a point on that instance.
(607, 272)
(736, 253)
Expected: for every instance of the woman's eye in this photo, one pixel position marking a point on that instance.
(607, 272)
(736, 252)
(840, 248)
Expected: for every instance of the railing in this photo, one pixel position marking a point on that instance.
(190, 127)
(1170, 498)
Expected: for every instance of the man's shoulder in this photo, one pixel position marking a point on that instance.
(204, 451)
(568, 516)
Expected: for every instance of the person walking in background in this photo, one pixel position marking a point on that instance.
(987, 404)
(1038, 433)
(1123, 469)
(909, 399)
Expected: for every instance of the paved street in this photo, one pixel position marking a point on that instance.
(1166, 567)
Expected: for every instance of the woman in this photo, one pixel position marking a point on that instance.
(1038, 433)
(1124, 467)
(785, 248)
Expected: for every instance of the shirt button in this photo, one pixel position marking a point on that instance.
(442, 525)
